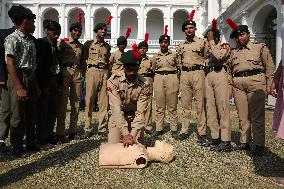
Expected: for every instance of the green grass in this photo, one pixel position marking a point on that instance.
(75, 165)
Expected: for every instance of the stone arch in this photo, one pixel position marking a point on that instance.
(128, 18)
(101, 15)
(49, 13)
(179, 17)
(155, 23)
(73, 17)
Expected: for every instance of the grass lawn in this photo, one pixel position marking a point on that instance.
(75, 165)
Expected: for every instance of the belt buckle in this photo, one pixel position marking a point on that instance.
(101, 66)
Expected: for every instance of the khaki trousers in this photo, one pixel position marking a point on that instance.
(192, 84)
(166, 96)
(148, 113)
(72, 86)
(96, 87)
(217, 101)
(249, 93)
(115, 136)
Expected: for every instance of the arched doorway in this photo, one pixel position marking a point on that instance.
(101, 15)
(128, 18)
(155, 23)
(51, 14)
(179, 17)
(73, 17)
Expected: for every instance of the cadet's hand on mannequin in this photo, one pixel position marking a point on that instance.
(210, 36)
(127, 140)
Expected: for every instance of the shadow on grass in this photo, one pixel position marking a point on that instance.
(61, 158)
(270, 165)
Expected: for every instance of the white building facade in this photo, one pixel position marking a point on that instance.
(264, 18)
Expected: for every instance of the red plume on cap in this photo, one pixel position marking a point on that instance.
(65, 39)
(135, 51)
(191, 15)
(109, 20)
(128, 32)
(214, 25)
(166, 30)
(80, 17)
(146, 39)
(232, 24)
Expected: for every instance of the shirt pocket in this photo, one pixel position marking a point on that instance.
(254, 59)
(171, 61)
(134, 95)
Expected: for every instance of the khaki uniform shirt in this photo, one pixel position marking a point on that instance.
(165, 62)
(114, 60)
(146, 66)
(71, 53)
(96, 52)
(218, 53)
(192, 52)
(251, 57)
(126, 97)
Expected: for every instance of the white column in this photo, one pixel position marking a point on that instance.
(62, 20)
(40, 26)
(37, 29)
(92, 27)
(141, 28)
(279, 38)
(168, 21)
(118, 26)
(3, 14)
(10, 23)
(65, 28)
(114, 28)
(88, 21)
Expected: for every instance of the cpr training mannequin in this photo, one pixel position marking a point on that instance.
(134, 156)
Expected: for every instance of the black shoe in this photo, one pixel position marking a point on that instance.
(258, 151)
(213, 142)
(242, 146)
(149, 132)
(62, 139)
(222, 147)
(72, 136)
(3, 147)
(86, 135)
(175, 135)
(157, 133)
(201, 140)
(32, 147)
(18, 151)
(52, 140)
(182, 136)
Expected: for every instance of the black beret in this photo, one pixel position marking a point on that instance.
(75, 25)
(51, 25)
(188, 22)
(143, 44)
(129, 59)
(121, 40)
(17, 13)
(216, 33)
(242, 28)
(165, 37)
(99, 26)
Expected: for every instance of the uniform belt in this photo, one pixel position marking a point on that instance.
(71, 66)
(216, 68)
(192, 68)
(247, 73)
(147, 74)
(98, 66)
(166, 72)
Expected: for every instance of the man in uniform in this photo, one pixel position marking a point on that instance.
(20, 55)
(252, 68)
(129, 94)
(97, 53)
(218, 91)
(191, 55)
(115, 63)
(73, 69)
(49, 79)
(4, 103)
(146, 70)
(166, 85)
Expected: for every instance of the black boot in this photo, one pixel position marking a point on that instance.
(201, 140)
(157, 133)
(258, 151)
(242, 146)
(18, 151)
(182, 136)
(213, 142)
(87, 135)
(32, 148)
(62, 139)
(71, 136)
(222, 147)
(175, 135)
(3, 147)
